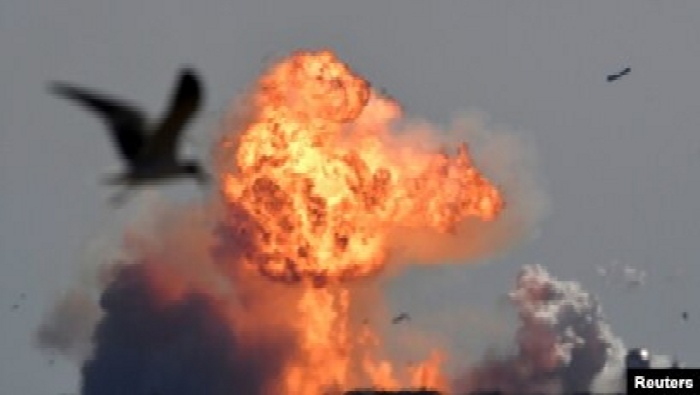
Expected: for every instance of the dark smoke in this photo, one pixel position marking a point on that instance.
(144, 347)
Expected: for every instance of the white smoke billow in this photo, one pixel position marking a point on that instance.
(563, 344)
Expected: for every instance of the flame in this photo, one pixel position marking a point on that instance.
(317, 173)
(323, 184)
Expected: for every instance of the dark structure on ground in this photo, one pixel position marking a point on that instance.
(431, 392)
(638, 358)
(406, 392)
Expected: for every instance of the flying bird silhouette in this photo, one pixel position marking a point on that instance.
(148, 150)
(617, 76)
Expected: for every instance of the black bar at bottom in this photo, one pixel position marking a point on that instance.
(663, 381)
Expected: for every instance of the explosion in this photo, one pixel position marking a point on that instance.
(321, 178)
(323, 184)
(265, 297)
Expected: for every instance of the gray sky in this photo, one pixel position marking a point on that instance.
(619, 161)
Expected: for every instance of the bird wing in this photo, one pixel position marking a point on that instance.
(127, 123)
(185, 102)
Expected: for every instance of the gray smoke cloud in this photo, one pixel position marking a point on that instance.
(68, 327)
(562, 345)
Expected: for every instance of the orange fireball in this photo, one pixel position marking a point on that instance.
(316, 169)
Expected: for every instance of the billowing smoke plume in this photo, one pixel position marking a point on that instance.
(563, 343)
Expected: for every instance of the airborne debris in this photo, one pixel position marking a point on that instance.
(401, 317)
(617, 76)
(634, 277)
(625, 274)
(150, 155)
(15, 306)
(384, 92)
